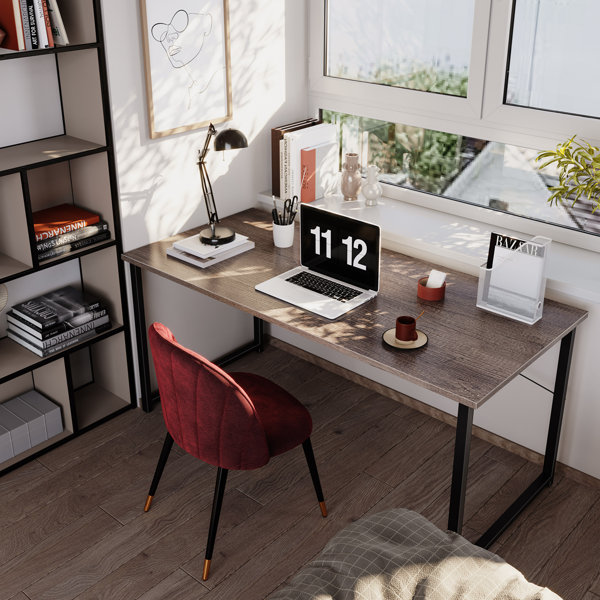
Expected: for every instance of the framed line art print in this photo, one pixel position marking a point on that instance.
(186, 51)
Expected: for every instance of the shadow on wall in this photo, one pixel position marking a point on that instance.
(159, 182)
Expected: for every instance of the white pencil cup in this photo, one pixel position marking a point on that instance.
(283, 235)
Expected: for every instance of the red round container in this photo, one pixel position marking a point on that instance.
(433, 294)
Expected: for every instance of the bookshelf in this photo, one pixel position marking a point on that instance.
(66, 156)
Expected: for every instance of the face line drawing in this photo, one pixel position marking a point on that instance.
(180, 38)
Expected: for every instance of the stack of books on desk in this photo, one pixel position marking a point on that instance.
(193, 251)
(56, 320)
(66, 227)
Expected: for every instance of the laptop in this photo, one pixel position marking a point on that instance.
(339, 265)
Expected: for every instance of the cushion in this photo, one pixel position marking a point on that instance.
(400, 555)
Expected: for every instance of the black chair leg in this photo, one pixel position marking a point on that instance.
(214, 519)
(312, 467)
(162, 461)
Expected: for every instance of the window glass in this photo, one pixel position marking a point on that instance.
(481, 172)
(554, 56)
(416, 44)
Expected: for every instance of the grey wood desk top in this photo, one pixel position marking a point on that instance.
(471, 354)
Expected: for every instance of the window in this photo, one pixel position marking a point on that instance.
(400, 45)
(477, 147)
(554, 56)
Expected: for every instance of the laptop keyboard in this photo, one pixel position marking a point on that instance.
(328, 288)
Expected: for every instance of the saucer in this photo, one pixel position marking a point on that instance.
(389, 337)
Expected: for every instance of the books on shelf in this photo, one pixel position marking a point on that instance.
(96, 317)
(12, 25)
(51, 346)
(276, 136)
(319, 168)
(193, 251)
(56, 320)
(66, 304)
(290, 148)
(75, 245)
(71, 236)
(60, 219)
(59, 33)
(32, 24)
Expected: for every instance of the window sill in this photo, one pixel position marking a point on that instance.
(460, 243)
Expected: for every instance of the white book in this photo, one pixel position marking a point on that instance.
(59, 33)
(207, 262)
(303, 138)
(40, 24)
(193, 245)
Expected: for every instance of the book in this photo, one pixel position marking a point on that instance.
(64, 304)
(502, 241)
(72, 236)
(319, 167)
(59, 32)
(276, 137)
(16, 337)
(211, 260)
(93, 325)
(25, 22)
(66, 326)
(38, 10)
(293, 142)
(12, 25)
(33, 29)
(60, 219)
(76, 245)
(47, 24)
(193, 245)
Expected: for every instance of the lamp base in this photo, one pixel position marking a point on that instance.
(221, 235)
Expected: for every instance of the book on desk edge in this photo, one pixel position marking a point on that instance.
(211, 260)
(66, 304)
(193, 245)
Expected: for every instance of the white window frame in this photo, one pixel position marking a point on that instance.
(481, 115)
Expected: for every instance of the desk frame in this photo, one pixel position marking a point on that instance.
(560, 325)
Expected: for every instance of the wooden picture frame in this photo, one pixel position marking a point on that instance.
(187, 64)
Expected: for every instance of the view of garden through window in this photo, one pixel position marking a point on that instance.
(398, 43)
(554, 56)
(481, 172)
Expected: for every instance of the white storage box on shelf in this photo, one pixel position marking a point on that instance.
(515, 285)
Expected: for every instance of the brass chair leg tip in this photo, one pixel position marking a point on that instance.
(323, 508)
(206, 569)
(148, 503)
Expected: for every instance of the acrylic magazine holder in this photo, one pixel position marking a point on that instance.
(514, 287)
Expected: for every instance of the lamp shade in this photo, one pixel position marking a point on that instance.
(230, 139)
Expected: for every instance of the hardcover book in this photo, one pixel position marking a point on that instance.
(72, 236)
(25, 22)
(97, 316)
(33, 30)
(16, 337)
(319, 169)
(76, 245)
(59, 33)
(12, 25)
(65, 304)
(61, 219)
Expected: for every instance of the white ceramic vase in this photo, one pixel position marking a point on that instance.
(372, 189)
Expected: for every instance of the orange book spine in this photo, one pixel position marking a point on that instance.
(308, 173)
(47, 23)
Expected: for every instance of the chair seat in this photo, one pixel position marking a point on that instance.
(287, 423)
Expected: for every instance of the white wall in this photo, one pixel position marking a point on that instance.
(158, 179)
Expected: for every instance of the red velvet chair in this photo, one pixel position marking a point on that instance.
(232, 421)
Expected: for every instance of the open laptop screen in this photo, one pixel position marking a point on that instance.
(340, 247)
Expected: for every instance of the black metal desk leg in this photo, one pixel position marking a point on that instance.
(558, 405)
(258, 334)
(462, 447)
(139, 317)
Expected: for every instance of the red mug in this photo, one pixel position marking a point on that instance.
(406, 329)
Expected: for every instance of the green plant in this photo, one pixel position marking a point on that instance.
(578, 171)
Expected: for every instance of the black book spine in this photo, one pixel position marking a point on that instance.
(35, 40)
(68, 238)
(76, 245)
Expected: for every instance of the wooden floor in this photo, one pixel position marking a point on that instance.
(72, 524)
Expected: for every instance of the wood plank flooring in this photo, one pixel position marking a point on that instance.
(72, 524)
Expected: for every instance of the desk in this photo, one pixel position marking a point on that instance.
(470, 356)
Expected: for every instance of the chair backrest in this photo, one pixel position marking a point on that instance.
(208, 414)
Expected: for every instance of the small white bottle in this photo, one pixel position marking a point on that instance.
(372, 189)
